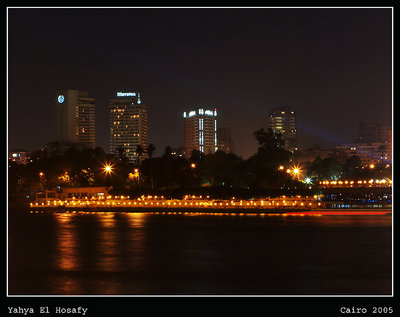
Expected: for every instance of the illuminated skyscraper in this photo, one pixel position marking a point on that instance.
(75, 117)
(200, 131)
(283, 121)
(128, 124)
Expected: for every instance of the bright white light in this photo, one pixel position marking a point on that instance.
(192, 113)
(307, 180)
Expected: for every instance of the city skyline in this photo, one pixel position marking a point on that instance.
(333, 66)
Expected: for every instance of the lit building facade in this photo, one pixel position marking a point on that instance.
(283, 121)
(200, 127)
(373, 144)
(75, 117)
(369, 153)
(224, 138)
(19, 157)
(128, 124)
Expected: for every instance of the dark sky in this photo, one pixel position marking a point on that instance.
(334, 66)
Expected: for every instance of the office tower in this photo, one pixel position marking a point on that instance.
(75, 117)
(370, 132)
(200, 128)
(224, 138)
(128, 124)
(283, 121)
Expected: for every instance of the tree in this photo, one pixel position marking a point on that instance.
(167, 158)
(196, 156)
(150, 150)
(139, 152)
(268, 140)
(262, 168)
(221, 169)
(352, 168)
(327, 168)
(120, 154)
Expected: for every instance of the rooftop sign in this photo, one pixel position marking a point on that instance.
(126, 94)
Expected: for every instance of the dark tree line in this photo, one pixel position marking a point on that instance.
(219, 172)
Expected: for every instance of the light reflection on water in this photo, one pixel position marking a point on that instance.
(144, 253)
(66, 243)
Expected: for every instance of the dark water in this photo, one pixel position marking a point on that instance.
(154, 254)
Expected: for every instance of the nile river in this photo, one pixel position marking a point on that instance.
(154, 254)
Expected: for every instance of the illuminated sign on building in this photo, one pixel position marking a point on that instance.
(200, 112)
(126, 94)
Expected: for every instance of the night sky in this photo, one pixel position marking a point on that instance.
(333, 66)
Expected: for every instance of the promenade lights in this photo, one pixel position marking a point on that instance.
(193, 165)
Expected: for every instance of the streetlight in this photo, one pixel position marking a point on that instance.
(193, 165)
(136, 175)
(108, 169)
(295, 171)
(41, 179)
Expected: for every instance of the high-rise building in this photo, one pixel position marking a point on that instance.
(200, 131)
(128, 124)
(224, 138)
(283, 121)
(369, 132)
(75, 117)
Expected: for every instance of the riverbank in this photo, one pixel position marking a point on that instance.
(215, 211)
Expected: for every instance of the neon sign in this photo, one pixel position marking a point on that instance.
(126, 94)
